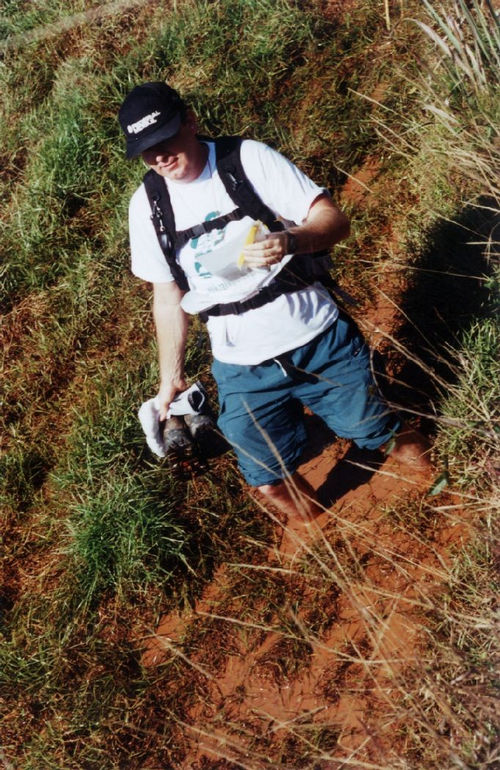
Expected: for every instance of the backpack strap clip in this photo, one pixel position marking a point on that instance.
(157, 219)
(232, 179)
(157, 213)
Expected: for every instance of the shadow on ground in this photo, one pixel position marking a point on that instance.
(449, 289)
(355, 468)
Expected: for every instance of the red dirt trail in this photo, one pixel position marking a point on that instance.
(348, 686)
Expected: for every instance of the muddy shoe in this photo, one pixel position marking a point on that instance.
(200, 425)
(176, 437)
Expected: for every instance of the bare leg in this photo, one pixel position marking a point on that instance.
(410, 448)
(295, 500)
(294, 497)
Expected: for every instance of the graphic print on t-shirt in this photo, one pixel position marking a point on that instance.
(215, 257)
(209, 241)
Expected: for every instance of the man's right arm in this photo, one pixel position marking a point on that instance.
(171, 324)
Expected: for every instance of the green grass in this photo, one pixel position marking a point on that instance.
(24, 16)
(98, 537)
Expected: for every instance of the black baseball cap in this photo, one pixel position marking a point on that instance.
(149, 114)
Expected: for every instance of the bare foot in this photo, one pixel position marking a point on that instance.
(410, 447)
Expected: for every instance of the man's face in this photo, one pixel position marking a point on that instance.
(177, 158)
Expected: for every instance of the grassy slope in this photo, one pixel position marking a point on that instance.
(92, 526)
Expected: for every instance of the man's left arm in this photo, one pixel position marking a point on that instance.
(324, 226)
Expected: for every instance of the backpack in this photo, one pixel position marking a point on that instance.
(297, 274)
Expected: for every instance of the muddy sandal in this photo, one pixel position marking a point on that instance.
(176, 437)
(201, 426)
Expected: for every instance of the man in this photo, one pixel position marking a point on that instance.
(273, 348)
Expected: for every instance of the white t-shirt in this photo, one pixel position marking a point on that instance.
(285, 323)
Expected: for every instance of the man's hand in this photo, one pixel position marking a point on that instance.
(266, 252)
(166, 394)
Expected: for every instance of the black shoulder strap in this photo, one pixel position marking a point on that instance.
(237, 184)
(162, 216)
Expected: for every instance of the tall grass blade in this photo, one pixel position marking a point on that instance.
(434, 37)
(445, 25)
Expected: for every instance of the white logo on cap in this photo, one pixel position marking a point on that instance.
(147, 120)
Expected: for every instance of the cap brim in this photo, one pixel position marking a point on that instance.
(136, 146)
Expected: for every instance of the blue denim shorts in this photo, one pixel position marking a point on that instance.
(261, 406)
